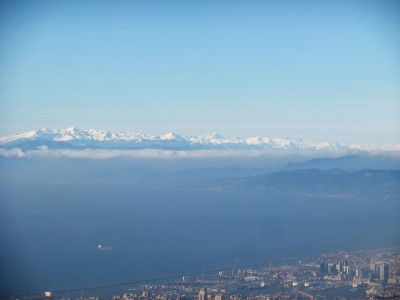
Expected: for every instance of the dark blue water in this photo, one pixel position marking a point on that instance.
(49, 233)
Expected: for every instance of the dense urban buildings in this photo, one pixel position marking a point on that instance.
(372, 274)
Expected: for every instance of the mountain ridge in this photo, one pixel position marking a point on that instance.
(74, 138)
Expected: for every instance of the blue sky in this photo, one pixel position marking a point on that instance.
(317, 70)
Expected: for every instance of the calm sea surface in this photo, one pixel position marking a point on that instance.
(49, 234)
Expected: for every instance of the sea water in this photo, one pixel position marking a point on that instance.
(49, 234)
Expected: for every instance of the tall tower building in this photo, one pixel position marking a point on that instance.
(346, 270)
(331, 268)
(384, 272)
(323, 267)
(341, 266)
(218, 297)
(202, 294)
(358, 273)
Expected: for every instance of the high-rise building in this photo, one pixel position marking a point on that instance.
(218, 297)
(342, 264)
(359, 273)
(346, 270)
(384, 272)
(372, 266)
(202, 294)
(331, 268)
(323, 267)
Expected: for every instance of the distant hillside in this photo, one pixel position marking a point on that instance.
(382, 185)
(349, 162)
(323, 182)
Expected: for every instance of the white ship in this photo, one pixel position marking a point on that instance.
(104, 248)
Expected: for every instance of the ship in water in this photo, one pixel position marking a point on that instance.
(103, 248)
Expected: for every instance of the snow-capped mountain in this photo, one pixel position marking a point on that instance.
(74, 138)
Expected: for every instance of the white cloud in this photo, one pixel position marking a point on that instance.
(95, 154)
(15, 152)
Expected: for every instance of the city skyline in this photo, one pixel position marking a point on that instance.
(310, 70)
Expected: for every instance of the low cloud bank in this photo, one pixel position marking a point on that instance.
(96, 154)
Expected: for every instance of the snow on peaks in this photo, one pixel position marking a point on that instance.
(171, 136)
(329, 146)
(257, 140)
(72, 137)
(217, 139)
(30, 135)
(70, 134)
(101, 135)
(211, 136)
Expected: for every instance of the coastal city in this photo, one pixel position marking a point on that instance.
(371, 274)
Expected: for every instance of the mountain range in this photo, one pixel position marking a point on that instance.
(74, 138)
